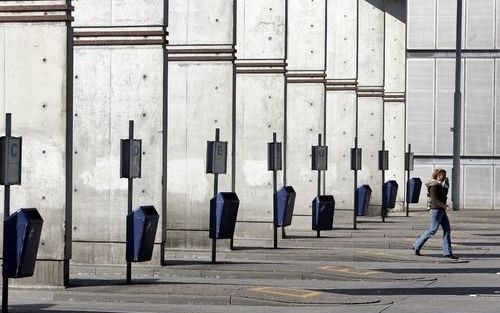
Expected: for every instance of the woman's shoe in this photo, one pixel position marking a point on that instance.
(415, 250)
(451, 256)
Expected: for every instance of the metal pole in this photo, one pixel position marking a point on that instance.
(130, 198)
(275, 201)
(6, 213)
(407, 180)
(216, 190)
(457, 112)
(318, 232)
(354, 224)
(382, 208)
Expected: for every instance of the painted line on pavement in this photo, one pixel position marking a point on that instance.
(295, 293)
(348, 270)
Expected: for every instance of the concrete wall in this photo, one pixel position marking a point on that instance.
(33, 63)
(251, 68)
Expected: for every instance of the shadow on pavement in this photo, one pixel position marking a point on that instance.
(28, 308)
(491, 270)
(459, 291)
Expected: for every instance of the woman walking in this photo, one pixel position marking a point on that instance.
(438, 190)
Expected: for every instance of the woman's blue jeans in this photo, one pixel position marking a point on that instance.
(438, 217)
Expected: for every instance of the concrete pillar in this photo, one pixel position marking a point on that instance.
(200, 99)
(370, 94)
(341, 97)
(395, 93)
(119, 70)
(305, 117)
(259, 111)
(36, 89)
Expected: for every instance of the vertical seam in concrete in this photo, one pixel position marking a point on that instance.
(68, 216)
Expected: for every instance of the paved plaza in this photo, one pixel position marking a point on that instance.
(366, 270)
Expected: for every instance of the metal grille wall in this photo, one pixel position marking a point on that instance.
(431, 72)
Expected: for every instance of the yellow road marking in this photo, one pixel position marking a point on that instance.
(296, 293)
(385, 255)
(347, 270)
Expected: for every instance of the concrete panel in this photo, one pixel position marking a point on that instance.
(34, 78)
(342, 39)
(261, 29)
(445, 89)
(92, 12)
(497, 187)
(200, 100)
(497, 108)
(395, 49)
(200, 22)
(479, 107)
(395, 144)
(127, 83)
(422, 24)
(497, 24)
(118, 12)
(306, 35)
(94, 167)
(480, 24)
(478, 188)
(420, 105)
(260, 112)
(446, 23)
(370, 140)
(305, 120)
(371, 43)
(340, 107)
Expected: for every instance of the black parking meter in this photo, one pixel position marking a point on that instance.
(356, 165)
(383, 160)
(219, 207)
(409, 161)
(131, 155)
(216, 157)
(274, 158)
(409, 166)
(10, 160)
(319, 158)
(130, 168)
(319, 163)
(383, 165)
(356, 159)
(274, 164)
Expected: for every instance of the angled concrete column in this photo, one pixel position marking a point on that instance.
(395, 93)
(341, 103)
(305, 100)
(200, 99)
(259, 111)
(34, 63)
(370, 94)
(118, 77)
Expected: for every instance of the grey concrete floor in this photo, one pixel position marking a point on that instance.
(366, 270)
